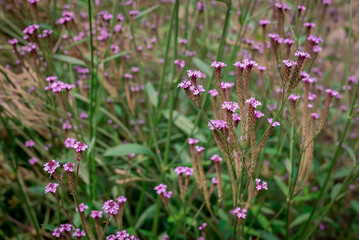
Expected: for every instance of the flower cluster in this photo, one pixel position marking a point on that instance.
(260, 186)
(253, 102)
(58, 86)
(183, 170)
(50, 167)
(240, 213)
(51, 188)
(110, 207)
(161, 190)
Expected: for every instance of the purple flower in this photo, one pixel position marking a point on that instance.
(180, 63)
(264, 22)
(301, 8)
(33, 160)
(195, 74)
(240, 213)
(160, 189)
(69, 142)
(51, 188)
(270, 120)
(192, 141)
(283, 6)
(250, 63)
(289, 63)
(202, 227)
(214, 181)
(331, 92)
(302, 55)
(288, 41)
(230, 106)
(213, 92)
(240, 65)
(253, 102)
(29, 143)
(185, 84)
(82, 207)
(50, 167)
(96, 214)
(199, 149)
(258, 114)
(57, 232)
(261, 186)
(236, 117)
(197, 90)
(80, 147)
(13, 41)
(121, 200)
(314, 116)
(168, 194)
(309, 25)
(201, 6)
(134, 13)
(293, 97)
(79, 233)
(110, 207)
(219, 124)
(179, 170)
(226, 85)
(218, 65)
(188, 171)
(69, 167)
(66, 227)
(216, 158)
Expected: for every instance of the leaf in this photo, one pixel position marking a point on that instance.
(355, 205)
(306, 198)
(300, 219)
(125, 149)
(147, 234)
(69, 59)
(335, 191)
(351, 153)
(147, 214)
(342, 172)
(184, 124)
(48, 227)
(152, 94)
(202, 65)
(115, 56)
(147, 11)
(281, 185)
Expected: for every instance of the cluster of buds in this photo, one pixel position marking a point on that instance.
(191, 88)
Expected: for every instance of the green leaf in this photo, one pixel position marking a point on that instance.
(281, 185)
(115, 56)
(147, 11)
(355, 205)
(152, 94)
(335, 191)
(184, 124)
(68, 59)
(300, 219)
(306, 198)
(342, 172)
(202, 65)
(147, 234)
(146, 215)
(48, 227)
(351, 153)
(125, 149)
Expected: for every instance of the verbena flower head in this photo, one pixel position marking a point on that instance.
(197, 89)
(239, 213)
(301, 8)
(96, 214)
(83, 115)
(57, 232)
(79, 233)
(283, 7)
(314, 39)
(253, 102)
(216, 158)
(261, 68)
(250, 63)
(29, 143)
(304, 74)
(110, 207)
(123, 235)
(240, 65)
(309, 80)
(179, 170)
(199, 149)
(160, 189)
(230, 106)
(293, 97)
(168, 194)
(302, 55)
(50, 167)
(289, 63)
(225, 85)
(288, 41)
(236, 117)
(66, 227)
(33, 160)
(331, 92)
(188, 171)
(270, 120)
(214, 181)
(264, 22)
(13, 41)
(80, 146)
(192, 141)
(180, 63)
(309, 25)
(219, 124)
(327, 2)
(33, 1)
(201, 6)
(317, 49)
(69, 167)
(213, 92)
(311, 96)
(202, 227)
(121, 200)
(260, 186)
(352, 80)
(82, 207)
(31, 29)
(258, 114)
(218, 65)
(184, 84)
(69, 142)
(51, 188)
(51, 79)
(314, 116)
